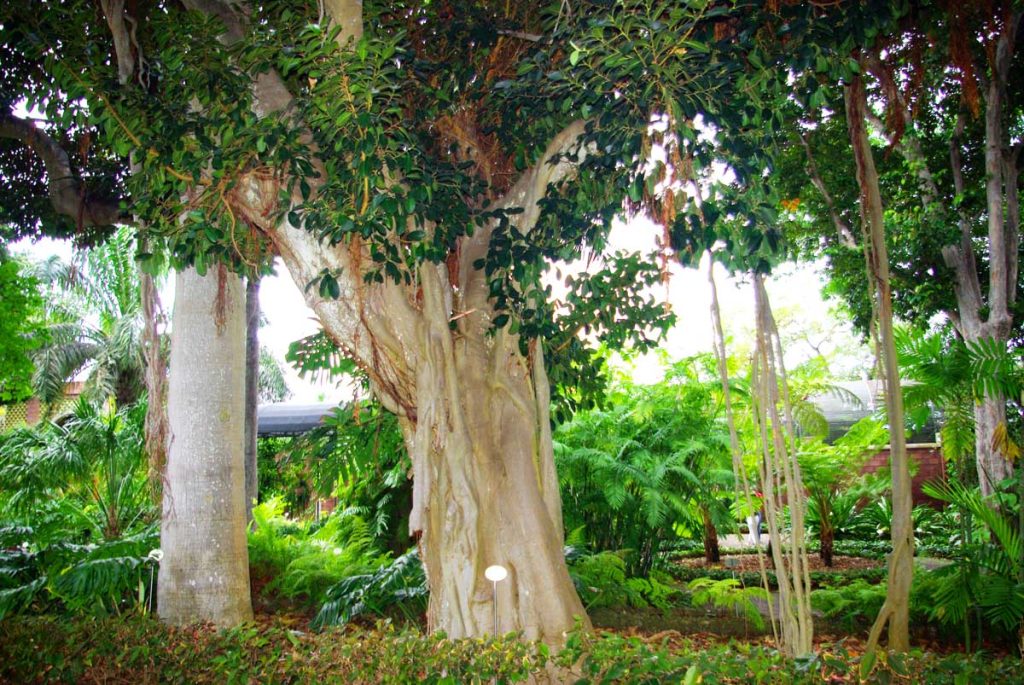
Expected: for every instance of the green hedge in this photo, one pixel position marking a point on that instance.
(140, 650)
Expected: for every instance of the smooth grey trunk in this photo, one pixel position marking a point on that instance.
(252, 389)
(204, 575)
(895, 612)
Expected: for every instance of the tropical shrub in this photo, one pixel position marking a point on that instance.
(94, 461)
(834, 486)
(731, 594)
(80, 524)
(986, 577)
(601, 580)
(108, 577)
(853, 604)
(302, 561)
(652, 461)
(400, 585)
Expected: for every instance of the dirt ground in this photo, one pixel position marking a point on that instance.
(748, 562)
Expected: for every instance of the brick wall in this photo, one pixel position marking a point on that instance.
(927, 464)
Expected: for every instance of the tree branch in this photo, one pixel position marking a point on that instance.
(554, 166)
(842, 229)
(67, 193)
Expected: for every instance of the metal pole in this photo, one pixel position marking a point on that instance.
(494, 585)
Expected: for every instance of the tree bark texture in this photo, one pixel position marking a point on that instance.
(156, 383)
(712, 555)
(781, 481)
(252, 389)
(204, 574)
(895, 611)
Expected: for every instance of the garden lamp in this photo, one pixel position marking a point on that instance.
(495, 574)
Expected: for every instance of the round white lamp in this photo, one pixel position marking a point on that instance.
(495, 574)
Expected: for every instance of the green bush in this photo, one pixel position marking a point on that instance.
(402, 585)
(303, 562)
(142, 650)
(854, 604)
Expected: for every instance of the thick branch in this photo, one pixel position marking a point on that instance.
(554, 166)
(998, 238)
(67, 194)
(842, 229)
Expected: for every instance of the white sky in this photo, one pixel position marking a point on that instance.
(804, 318)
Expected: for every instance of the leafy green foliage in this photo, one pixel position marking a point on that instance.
(301, 562)
(831, 475)
(93, 323)
(79, 519)
(20, 317)
(729, 593)
(94, 462)
(601, 581)
(39, 574)
(358, 454)
(401, 584)
(646, 463)
(42, 649)
(988, 572)
(852, 604)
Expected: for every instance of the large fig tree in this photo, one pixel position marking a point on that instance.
(417, 166)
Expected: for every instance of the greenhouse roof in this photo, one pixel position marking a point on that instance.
(286, 419)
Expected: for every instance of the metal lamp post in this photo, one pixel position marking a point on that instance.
(495, 574)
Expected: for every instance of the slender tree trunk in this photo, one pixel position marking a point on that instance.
(204, 575)
(896, 610)
(739, 468)
(781, 480)
(252, 383)
(828, 535)
(711, 551)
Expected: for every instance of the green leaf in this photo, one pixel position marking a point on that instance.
(867, 664)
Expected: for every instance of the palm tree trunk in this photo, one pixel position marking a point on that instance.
(204, 575)
(711, 552)
(252, 382)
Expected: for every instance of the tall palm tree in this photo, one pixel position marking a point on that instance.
(94, 323)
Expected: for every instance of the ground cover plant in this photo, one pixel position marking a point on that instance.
(142, 650)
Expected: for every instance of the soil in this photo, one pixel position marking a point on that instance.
(748, 562)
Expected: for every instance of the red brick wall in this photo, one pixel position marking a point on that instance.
(930, 466)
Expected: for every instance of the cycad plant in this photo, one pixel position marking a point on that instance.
(653, 458)
(988, 574)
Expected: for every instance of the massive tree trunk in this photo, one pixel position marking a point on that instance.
(204, 575)
(895, 612)
(475, 416)
(252, 389)
(474, 409)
